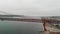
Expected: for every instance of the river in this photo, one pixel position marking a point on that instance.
(18, 27)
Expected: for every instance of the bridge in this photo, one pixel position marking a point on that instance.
(40, 20)
(44, 20)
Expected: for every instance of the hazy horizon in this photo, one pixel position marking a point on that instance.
(31, 7)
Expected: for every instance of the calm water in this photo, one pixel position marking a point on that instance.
(15, 27)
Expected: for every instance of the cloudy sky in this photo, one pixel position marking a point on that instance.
(31, 7)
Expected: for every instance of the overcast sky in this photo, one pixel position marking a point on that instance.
(31, 7)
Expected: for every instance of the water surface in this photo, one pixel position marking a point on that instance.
(18, 27)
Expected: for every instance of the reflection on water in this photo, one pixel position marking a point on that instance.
(15, 27)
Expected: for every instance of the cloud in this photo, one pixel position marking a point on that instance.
(31, 7)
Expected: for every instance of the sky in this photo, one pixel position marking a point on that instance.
(31, 7)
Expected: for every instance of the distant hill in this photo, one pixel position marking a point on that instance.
(55, 17)
(11, 15)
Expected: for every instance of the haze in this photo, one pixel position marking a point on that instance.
(31, 7)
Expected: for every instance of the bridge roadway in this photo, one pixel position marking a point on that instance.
(19, 19)
(53, 21)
